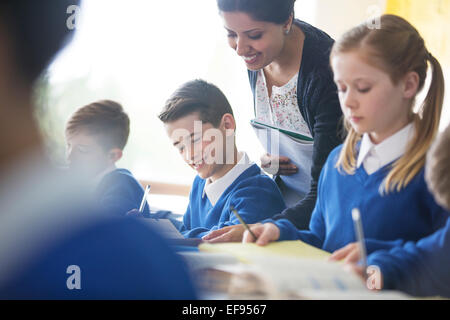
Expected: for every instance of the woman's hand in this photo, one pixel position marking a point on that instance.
(226, 234)
(278, 165)
(264, 233)
(351, 253)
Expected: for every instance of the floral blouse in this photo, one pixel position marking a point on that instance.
(281, 108)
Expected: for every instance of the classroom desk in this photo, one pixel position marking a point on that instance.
(178, 204)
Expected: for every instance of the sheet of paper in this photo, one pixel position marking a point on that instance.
(288, 274)
(293, 269)
(298, 151)
(245, 252)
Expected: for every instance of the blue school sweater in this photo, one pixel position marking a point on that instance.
(58, 226)
(420, 269)
(254, 195)
(117, 259)
(387, 220)
(119, 192)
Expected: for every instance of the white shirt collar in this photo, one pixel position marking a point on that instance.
(375, 156)
(214, 190)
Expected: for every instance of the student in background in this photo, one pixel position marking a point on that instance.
(380, 167)
(53, 244)
(200, 123)
(418, 268)
(96, 135)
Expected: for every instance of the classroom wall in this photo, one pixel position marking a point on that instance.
(132, 53)
(336, 17)
(431, 18)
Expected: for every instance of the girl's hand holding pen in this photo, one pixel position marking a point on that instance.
(351, 253)
(265, 233)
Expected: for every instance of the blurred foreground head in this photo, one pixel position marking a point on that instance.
(31, 34)
(437, 169)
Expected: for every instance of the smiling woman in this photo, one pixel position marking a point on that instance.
(293, 91)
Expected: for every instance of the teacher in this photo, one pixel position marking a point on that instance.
(295, 98)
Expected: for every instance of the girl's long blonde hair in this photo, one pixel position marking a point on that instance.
(397, 48)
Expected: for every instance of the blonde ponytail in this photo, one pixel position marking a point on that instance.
(426, 123)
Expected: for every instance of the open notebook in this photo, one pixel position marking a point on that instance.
(283, 270)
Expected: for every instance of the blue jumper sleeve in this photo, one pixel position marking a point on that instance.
(315, 236)
(420, 269)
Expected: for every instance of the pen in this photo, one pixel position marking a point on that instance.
(356, 216)
(242, 221)
(144, 199)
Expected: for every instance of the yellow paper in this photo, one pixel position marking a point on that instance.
(245, 251)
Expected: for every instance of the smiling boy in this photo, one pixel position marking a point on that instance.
(200, 123)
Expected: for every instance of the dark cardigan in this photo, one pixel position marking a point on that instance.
(319, 105)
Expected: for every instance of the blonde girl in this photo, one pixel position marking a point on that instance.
(379, 168)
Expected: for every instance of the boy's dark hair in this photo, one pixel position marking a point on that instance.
(104, 118)
(196, 96)
(37, 31)
(275, 11)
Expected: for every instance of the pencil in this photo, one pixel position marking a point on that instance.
(356, 216)
(144, 199)
(242, 221)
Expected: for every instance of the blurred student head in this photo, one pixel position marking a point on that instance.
(31, 34)
(96, 135)
(199, 120)
(437, 169)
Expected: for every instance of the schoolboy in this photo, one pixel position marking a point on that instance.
(200, 123)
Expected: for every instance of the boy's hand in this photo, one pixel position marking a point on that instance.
(227, 234)
(278, 165)
(264, 233)
(351, 253)
(134, 213)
